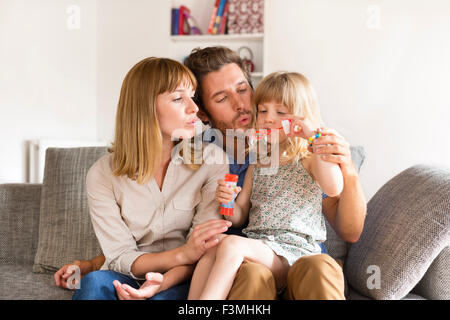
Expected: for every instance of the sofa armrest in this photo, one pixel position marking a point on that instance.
(19, 222)
(435, 284)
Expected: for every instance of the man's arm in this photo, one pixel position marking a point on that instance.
(97, 262)
(346, 212)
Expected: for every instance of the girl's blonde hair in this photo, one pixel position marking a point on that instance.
(294, 91)
(137, 146)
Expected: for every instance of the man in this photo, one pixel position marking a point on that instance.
(224, 100)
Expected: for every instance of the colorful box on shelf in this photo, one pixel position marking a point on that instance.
(245, 16)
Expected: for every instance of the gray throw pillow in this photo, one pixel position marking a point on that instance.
(65, 229)
(435, 284)
(407, 226)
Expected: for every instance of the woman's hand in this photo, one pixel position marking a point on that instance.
(148, 289)
(203, 237)
(334, 148)
(224, 193)
(61, 276)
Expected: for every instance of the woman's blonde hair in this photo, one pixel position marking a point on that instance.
(137, 146)
(294, 91)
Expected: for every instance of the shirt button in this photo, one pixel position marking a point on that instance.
(271, 238)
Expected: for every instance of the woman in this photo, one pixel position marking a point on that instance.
(145, 197)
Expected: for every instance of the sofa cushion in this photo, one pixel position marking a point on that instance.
(336, 247)
(354, 295)
(19, 222)
(435, 284)
(18, 282)
(65, 229)
(406, 227)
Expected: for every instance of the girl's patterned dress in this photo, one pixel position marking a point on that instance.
(286, 212)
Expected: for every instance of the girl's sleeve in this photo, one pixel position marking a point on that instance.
(115, 238)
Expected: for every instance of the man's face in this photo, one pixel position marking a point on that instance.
(227, 98)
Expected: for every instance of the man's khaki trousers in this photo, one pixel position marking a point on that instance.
(315, 277)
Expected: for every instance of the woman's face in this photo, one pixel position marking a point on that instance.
(177, 113)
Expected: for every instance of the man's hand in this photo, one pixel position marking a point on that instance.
(63, 274)
(334, 148)
(148, 289)
(204, 237)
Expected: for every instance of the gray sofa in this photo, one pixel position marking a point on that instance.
(403, 252)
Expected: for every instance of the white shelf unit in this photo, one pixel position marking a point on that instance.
(181, 46)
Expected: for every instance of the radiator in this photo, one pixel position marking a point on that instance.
(37, 154)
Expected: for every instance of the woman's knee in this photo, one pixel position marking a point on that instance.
(96, 285)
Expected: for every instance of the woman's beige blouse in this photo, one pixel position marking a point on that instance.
(130, 219)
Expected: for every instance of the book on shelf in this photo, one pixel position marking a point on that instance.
(183, 23)
(223, 22)
(183, 27)
(213, 17)
(175, 20)
(219, 17)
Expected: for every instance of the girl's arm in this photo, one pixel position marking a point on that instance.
(176, 276)
(327, 175)
(242, 203)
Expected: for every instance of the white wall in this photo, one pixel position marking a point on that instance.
(47, 78)
(128, 31)
(387, 89)
(57, 83)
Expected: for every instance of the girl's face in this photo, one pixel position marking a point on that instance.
(177, 113)
(269, 116)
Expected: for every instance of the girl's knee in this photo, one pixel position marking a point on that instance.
(228, 244)
(229, 248)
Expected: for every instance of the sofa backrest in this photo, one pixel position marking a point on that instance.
(65, 229)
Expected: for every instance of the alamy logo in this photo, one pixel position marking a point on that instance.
(73, 21)
(373, 17)
(374, 280)
(73, 282)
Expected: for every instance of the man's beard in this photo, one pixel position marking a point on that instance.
(222, 126)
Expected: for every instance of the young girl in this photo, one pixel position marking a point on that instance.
(286, 221)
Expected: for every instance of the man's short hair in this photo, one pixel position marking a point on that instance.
(203, 61)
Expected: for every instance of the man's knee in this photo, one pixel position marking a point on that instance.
(253, 281)
(316, 276)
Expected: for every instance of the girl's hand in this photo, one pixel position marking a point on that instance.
(301, 127)
(224, 193)
(332, 147)
(148, 289)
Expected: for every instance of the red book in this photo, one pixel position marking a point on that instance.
(181, 21)
(223, 23)
(213, 17)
